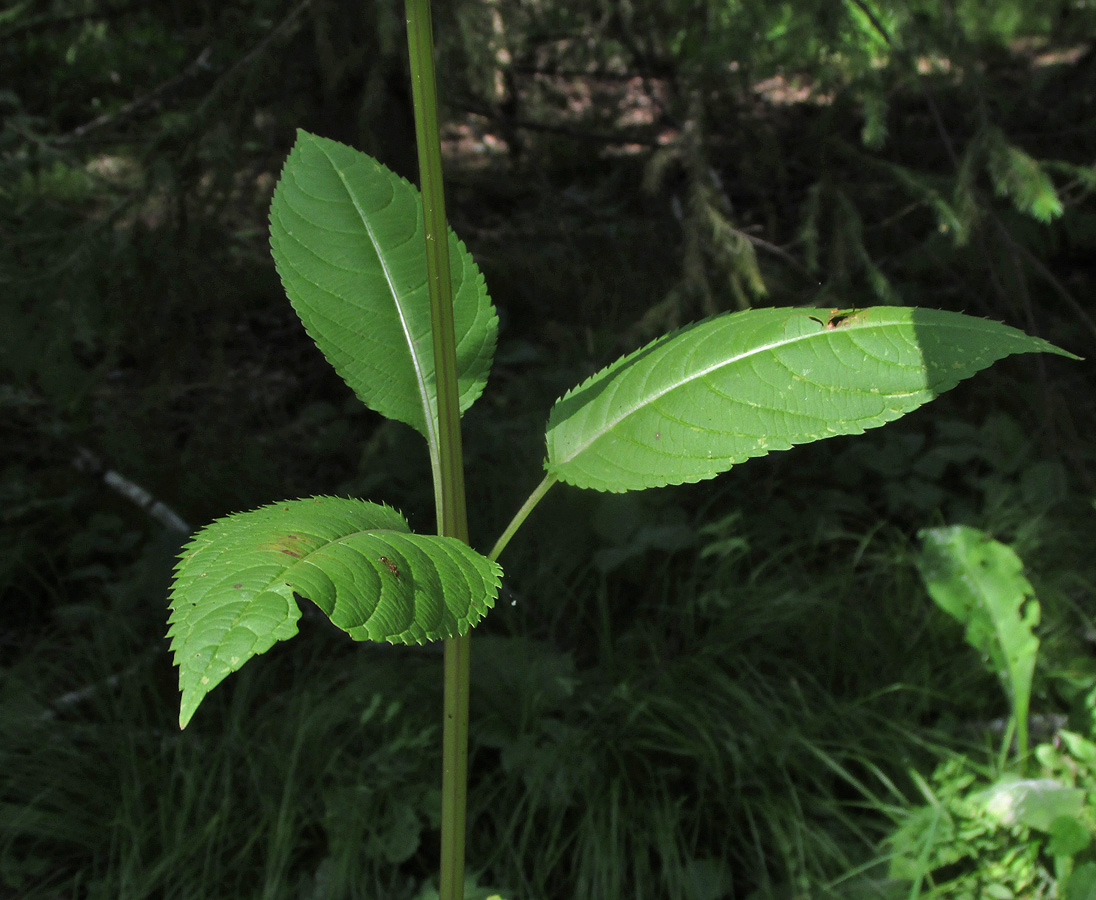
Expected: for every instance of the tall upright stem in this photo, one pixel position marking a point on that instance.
(452, 512)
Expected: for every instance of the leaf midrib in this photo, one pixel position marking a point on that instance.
(328, 542)
(625, 412)
(303, 559)
(416, 364)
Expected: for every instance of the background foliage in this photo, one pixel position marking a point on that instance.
(667, 698)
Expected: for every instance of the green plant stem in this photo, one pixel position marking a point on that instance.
(452, 514)
(521, 515)
(449, 477)
(454, 782)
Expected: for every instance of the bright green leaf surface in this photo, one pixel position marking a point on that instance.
(693, 403)
(1032, 802)
(979, 582)
(1068, 834)
(239, 579)
(347, 239)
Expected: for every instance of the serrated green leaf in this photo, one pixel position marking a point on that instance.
(347, 238)
(694, 403)
(239, 578)
(980, 582)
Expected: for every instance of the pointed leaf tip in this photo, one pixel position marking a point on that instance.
(690, 405)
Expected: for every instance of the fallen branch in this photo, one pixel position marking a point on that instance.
(86, 461)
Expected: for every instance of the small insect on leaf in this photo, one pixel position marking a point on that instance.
(838, 319)
(391, 567)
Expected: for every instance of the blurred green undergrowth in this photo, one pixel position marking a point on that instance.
(777, 678)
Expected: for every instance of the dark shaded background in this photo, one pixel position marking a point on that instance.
(616, 170)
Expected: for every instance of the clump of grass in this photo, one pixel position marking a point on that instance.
(736, 718)
(694, 761)
(273, 798)
(733, 741)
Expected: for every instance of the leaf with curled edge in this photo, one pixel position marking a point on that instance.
(239, 579)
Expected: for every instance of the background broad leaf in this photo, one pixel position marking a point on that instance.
(1032, 802)
(693, 403)
(239, 579)
(347, 238)
(1082, 883)
(980, 582)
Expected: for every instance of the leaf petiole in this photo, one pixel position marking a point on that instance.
(521, 515)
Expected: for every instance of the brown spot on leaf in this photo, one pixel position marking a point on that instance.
(296, 545)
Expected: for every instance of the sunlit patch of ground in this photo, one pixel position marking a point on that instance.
(1060, 56)
(781, 91)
